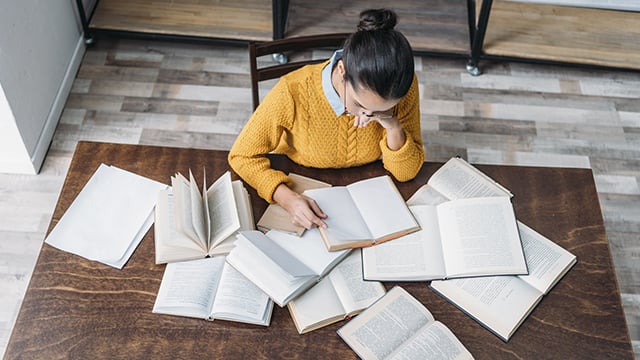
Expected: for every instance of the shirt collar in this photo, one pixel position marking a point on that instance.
(329, 92)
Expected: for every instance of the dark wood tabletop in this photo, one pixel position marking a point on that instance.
(80, 309)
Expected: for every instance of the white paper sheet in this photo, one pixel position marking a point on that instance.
(109, 218)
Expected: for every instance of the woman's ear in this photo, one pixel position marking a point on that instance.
(341, 70)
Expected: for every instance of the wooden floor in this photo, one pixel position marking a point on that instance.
(145, 92)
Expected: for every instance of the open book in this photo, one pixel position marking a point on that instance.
(191, 224)
(459, 238)
(338, 296)
(363, 213)
(457, 179)
(502, 303)
(211, 289)
(277, 218)
(281, 264)
(418, 256)
(398, 326)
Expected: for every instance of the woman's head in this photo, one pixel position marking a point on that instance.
(377, 57)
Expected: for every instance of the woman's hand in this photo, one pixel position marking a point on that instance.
(303, 210)
(395, 134)
(385, 120)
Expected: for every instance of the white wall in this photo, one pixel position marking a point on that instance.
(12, 152)
(40, 50)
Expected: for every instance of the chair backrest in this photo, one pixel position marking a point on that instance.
(282, 46)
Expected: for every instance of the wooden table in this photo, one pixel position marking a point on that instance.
(79, 309)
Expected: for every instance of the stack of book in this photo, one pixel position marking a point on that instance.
(458, 232)
(467, 243)
(194, 232)
(495, 275)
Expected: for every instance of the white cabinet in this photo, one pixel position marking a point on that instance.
(40, 50)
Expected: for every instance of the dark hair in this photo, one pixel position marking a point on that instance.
(378, 57)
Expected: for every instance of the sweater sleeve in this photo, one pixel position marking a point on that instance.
(260, 136)
(405, 163)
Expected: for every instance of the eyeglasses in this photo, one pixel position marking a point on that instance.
(393, 112)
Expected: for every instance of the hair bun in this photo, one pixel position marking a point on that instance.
(377, 19)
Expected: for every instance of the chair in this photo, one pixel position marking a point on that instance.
(279, 48)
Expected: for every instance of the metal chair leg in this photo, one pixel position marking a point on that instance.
(280, 58)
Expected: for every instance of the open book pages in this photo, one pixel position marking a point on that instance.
(398, 326)
(111, 196)
(458, 238)
(502, 303)
(338, 296)
(457, 179)
(192, 224)
(211, 289)
(281, 264)
(277, 218)
(363, 213)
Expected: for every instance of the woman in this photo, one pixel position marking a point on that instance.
(357, 107)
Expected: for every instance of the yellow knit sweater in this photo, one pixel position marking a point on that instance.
(296, 119)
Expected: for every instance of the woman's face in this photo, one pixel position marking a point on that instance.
(365, 102)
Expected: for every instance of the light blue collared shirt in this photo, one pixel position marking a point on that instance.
(329, 92)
